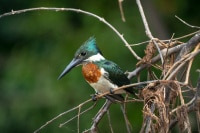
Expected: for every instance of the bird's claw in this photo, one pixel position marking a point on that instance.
(111, 91)
(94, 97)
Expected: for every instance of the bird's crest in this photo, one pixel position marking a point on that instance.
(89, 46)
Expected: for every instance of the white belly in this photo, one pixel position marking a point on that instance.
(103, 85)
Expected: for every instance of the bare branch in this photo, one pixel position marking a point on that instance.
(78, 11)
(189, 67)
(172, 39)
(109, 120)
(178, 38)
(189, 46)
(187, 23)
(121, 10)
(179, 64)
(147, 30)
(183, 56)
(158, 95)
(126, 86)
(64, 113)
(197, 96)
(185, 48)
(148, 118)
(128, 125)
(99, 116)
(155, 59)
(192, 105)
(77, 116)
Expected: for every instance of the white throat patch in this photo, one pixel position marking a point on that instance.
(96, 57)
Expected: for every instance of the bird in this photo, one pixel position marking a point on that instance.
(103, 75)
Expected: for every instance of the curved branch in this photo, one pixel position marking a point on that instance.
(78, 11)
(192, 26)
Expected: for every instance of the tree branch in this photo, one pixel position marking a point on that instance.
(66, 112)
(121, 10)
(147, 30)
(197, 27)
(192, 105)
(148, 119)
(185, 48)
(189, 46)
(155, 59)
(99, 116)
(78, 11)
(183, 57)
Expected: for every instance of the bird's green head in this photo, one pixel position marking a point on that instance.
(88, 52)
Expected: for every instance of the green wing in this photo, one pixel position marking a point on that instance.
(116, 75)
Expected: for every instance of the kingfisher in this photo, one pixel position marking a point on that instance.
(103, 75)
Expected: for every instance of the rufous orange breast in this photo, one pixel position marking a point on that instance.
(91, 72)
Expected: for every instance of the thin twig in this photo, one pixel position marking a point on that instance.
(189, 46)
(78, 115)
(180, 95)
(126, 86)
(192, 105)
(147, 30)
(185, 48)
(100, 115)
(191, 26)
(155, 59)
(193, 33)
(187, 104)
(189, 67)
(78, 11)
(176, 66)
(174, 39)
(121, 10)
(128, 125)
(140, 43)
(66, 112)
(165, 57)
(198, 119)
(148, 119)
(192, 55)
(146, 26)
(197, 101)
(109, 121)
(78, 119)
(197, 95)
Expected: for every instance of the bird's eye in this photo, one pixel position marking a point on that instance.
(83, 54)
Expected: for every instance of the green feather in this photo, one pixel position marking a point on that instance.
(115, 74)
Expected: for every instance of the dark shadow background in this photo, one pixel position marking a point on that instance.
(36, 46)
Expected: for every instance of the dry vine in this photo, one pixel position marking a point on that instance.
(161, 112)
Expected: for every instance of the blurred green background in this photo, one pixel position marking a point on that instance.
(36, 46)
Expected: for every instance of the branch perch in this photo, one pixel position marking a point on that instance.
(99, 116)
(160, 107)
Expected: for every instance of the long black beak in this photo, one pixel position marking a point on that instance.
(71, 65)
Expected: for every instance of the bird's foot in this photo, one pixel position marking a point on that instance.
(111, 91)
(94, 97)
